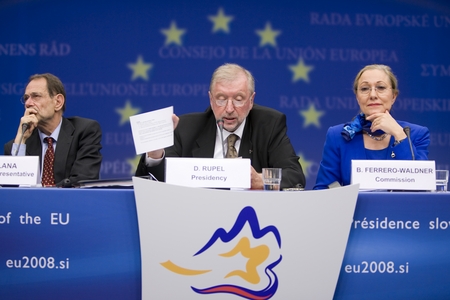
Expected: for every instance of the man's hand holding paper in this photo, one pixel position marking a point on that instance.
(153, 131)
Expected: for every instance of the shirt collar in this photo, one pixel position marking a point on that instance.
(54, 134)
(239, 131)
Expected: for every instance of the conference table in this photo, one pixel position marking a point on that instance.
(84, 244)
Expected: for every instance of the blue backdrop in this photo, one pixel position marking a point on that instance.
(120, 58)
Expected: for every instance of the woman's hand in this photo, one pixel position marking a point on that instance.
(385, 122)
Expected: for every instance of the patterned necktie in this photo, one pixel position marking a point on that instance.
(231, 152)
(48, 178)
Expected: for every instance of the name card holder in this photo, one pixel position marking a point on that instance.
(19, 170)
(414, 175)
(208, 172)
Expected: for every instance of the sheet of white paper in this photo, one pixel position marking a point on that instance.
(152, 130)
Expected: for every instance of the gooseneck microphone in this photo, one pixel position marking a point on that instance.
(407, 131)
(25, 127)
(220, 124)
(65, 183)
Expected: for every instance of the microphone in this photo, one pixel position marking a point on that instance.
(407, 131)
(220, 124)
(25, 127)
(65, 183)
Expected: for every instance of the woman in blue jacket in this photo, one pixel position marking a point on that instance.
(373, 133)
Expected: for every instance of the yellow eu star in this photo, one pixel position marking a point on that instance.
(311, 116)
(140, 69)
(301, 71)
(268, 35)
(306, 164)
(133, 162)
(221, 21)
(173, 34)
(126, 112)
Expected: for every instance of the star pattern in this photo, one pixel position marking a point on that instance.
(140, 69)
(126, 112)
(301, 71)
(305, 164)
(221, 21)
(268, 35)
(173, 34)
(311, 116)
(133, 162)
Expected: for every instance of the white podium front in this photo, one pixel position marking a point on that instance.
(254, 244)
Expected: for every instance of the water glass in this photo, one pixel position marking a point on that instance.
(441, 180)
(271, 179)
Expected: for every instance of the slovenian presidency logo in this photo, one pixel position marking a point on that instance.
(255, 247)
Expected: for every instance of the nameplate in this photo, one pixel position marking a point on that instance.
(19, 170)
(208, 172)
(394, 174)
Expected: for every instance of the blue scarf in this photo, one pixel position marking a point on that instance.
(358, 124)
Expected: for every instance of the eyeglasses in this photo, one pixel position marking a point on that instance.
(224, 102)
(379, 89)
(34, 97)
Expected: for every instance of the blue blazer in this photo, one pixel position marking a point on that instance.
(338, 153)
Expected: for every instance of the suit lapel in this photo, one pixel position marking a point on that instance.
(246, 148)
(34, 146)
(63, 146)
(206, 141)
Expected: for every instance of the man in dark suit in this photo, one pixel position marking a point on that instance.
(261, 131)
(76, 140)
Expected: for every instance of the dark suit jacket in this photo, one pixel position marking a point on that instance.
(77, 155)
(264, 141)
(338, 153)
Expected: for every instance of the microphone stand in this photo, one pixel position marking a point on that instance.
(407, 131)
(25, 127)
(220, 124)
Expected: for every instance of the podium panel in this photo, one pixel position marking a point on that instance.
(84, 244)
(68, 244)
(251, 244)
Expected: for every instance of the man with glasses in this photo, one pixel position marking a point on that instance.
(74, 142)
(260, 132)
